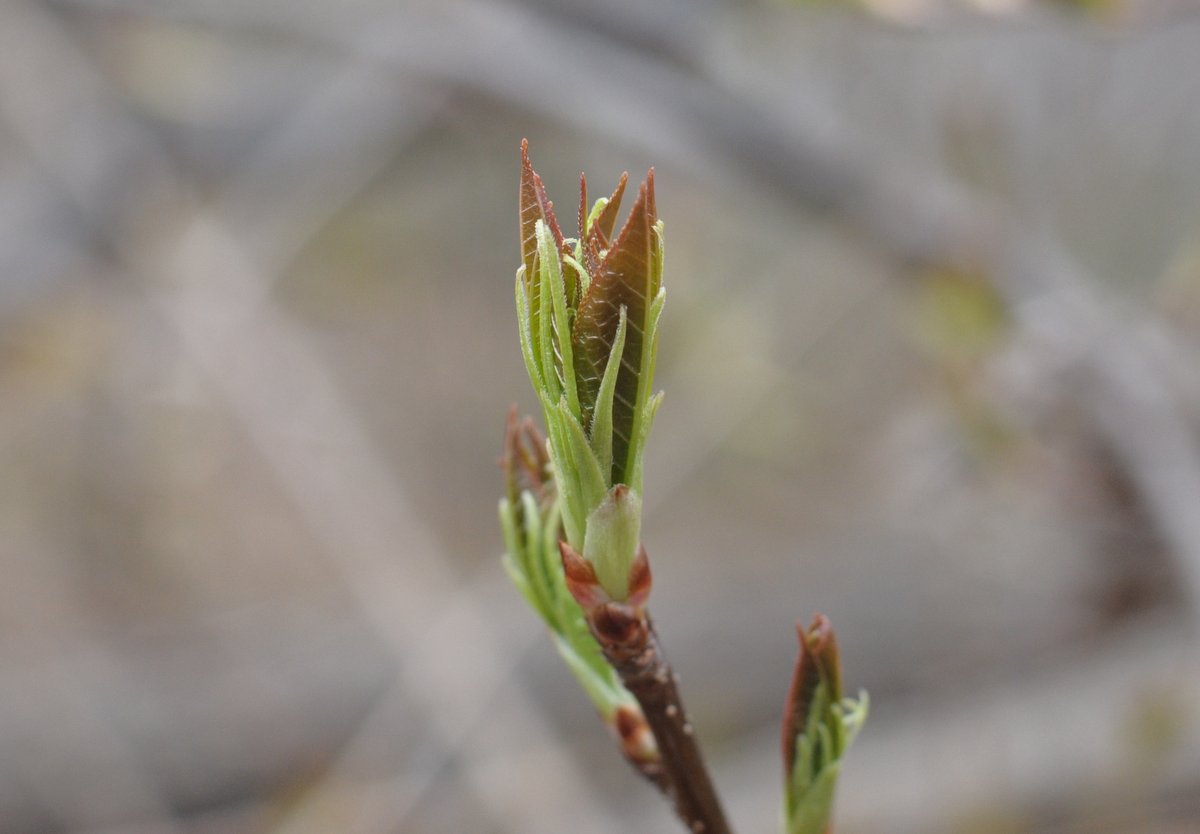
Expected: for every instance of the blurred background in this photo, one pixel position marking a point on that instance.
(932, 363)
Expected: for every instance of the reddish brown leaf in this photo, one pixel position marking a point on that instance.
(625, 278)
(607, 221)
(535, 206)
(599, 236)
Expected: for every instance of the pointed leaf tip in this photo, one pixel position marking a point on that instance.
(534, 206)
(607, 221)
(651, 204)
(583, 207)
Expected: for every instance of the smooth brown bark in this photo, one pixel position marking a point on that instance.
(631, 646)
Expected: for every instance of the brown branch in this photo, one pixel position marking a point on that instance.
(630, 644)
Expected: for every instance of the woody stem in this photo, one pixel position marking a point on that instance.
(632, 647)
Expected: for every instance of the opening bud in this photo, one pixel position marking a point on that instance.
(819, 725)
(612, 539)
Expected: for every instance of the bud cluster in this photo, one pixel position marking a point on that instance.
(588, 311)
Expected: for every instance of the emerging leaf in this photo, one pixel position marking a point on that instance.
(817, 675)
(588, 338)
(627, 277)
(818, 727)
(597, 235)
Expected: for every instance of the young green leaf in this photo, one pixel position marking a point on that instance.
(602, 439)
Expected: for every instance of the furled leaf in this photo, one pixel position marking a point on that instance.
(817, 677)
(627, 278)
(818, 727)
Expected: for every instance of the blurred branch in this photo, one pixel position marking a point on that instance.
(918, 216)
(801, 158)
(271, 377)
(804, 157)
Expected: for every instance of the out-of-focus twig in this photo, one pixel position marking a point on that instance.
(918, 215)
(220, 310)
(805, 156)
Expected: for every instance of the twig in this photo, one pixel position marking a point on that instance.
(630, 643)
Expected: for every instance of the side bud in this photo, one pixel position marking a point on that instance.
(818, 727)
(524, 461)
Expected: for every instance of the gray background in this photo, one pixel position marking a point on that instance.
(930, 355)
